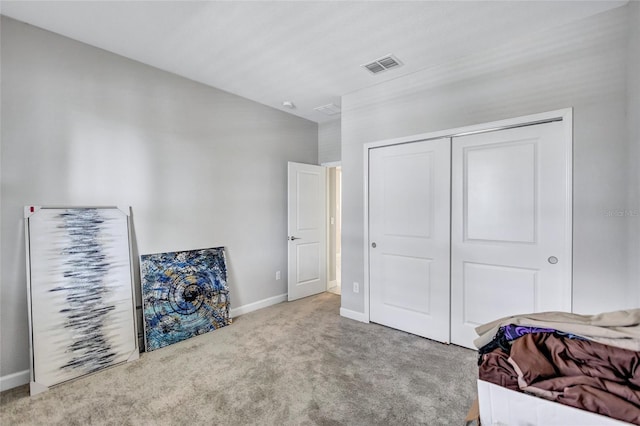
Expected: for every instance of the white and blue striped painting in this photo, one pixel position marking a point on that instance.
(81, 292)
(185, 294)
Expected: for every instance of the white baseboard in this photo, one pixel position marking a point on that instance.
(358, 316)
(14, 380)
(332, 284)
(245, 309)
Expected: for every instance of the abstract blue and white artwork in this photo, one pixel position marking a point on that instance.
(184, 294)
(81, 295)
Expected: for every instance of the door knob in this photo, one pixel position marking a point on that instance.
(294, 238)
(552, 260)
(373, 245)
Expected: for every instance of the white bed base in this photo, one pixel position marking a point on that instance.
(501, 407)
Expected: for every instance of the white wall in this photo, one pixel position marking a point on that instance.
(329, 141)
(581, 65)
(633, 113)
(200, 167)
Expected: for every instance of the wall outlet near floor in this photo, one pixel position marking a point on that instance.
(356, 287)
(278, 275)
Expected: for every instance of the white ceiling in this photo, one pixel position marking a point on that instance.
(301, 51)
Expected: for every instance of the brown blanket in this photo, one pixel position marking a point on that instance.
(495, 368)
(580, 373)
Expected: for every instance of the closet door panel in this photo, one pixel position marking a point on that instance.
(509, 230)
(409, 219)
(500, 192)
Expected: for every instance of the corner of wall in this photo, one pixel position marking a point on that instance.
(329, 141)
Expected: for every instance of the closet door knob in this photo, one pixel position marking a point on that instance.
(553, 260)
(373, 245)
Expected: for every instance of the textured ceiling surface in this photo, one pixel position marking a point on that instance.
(305, 52)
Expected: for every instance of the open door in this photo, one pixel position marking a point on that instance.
(307, 230)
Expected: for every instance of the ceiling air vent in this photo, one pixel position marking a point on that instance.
(382, 64)
(329, 109)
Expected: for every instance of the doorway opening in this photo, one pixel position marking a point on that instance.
(335, 229)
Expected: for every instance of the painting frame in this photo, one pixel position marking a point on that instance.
(80, 292)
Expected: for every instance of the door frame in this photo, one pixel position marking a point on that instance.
(328, 165)
(565, 115)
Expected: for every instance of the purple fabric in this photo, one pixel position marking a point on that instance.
(512, 332)
(507, 334)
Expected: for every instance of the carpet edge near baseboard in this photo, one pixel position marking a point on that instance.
(20, 378)
(250, 307)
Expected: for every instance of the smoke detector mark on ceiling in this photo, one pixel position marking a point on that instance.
(329, 109)
(382, 64)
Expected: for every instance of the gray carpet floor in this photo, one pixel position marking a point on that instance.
(296, 363)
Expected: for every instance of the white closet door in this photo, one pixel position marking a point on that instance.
(409, 217)
(511, 226)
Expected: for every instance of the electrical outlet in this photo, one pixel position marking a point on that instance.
(278, 275)
(356, 287)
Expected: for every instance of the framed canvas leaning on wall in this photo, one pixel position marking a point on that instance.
(80, 292)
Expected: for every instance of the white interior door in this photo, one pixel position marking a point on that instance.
(511, 226)
(409, 214)
(307, 230)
